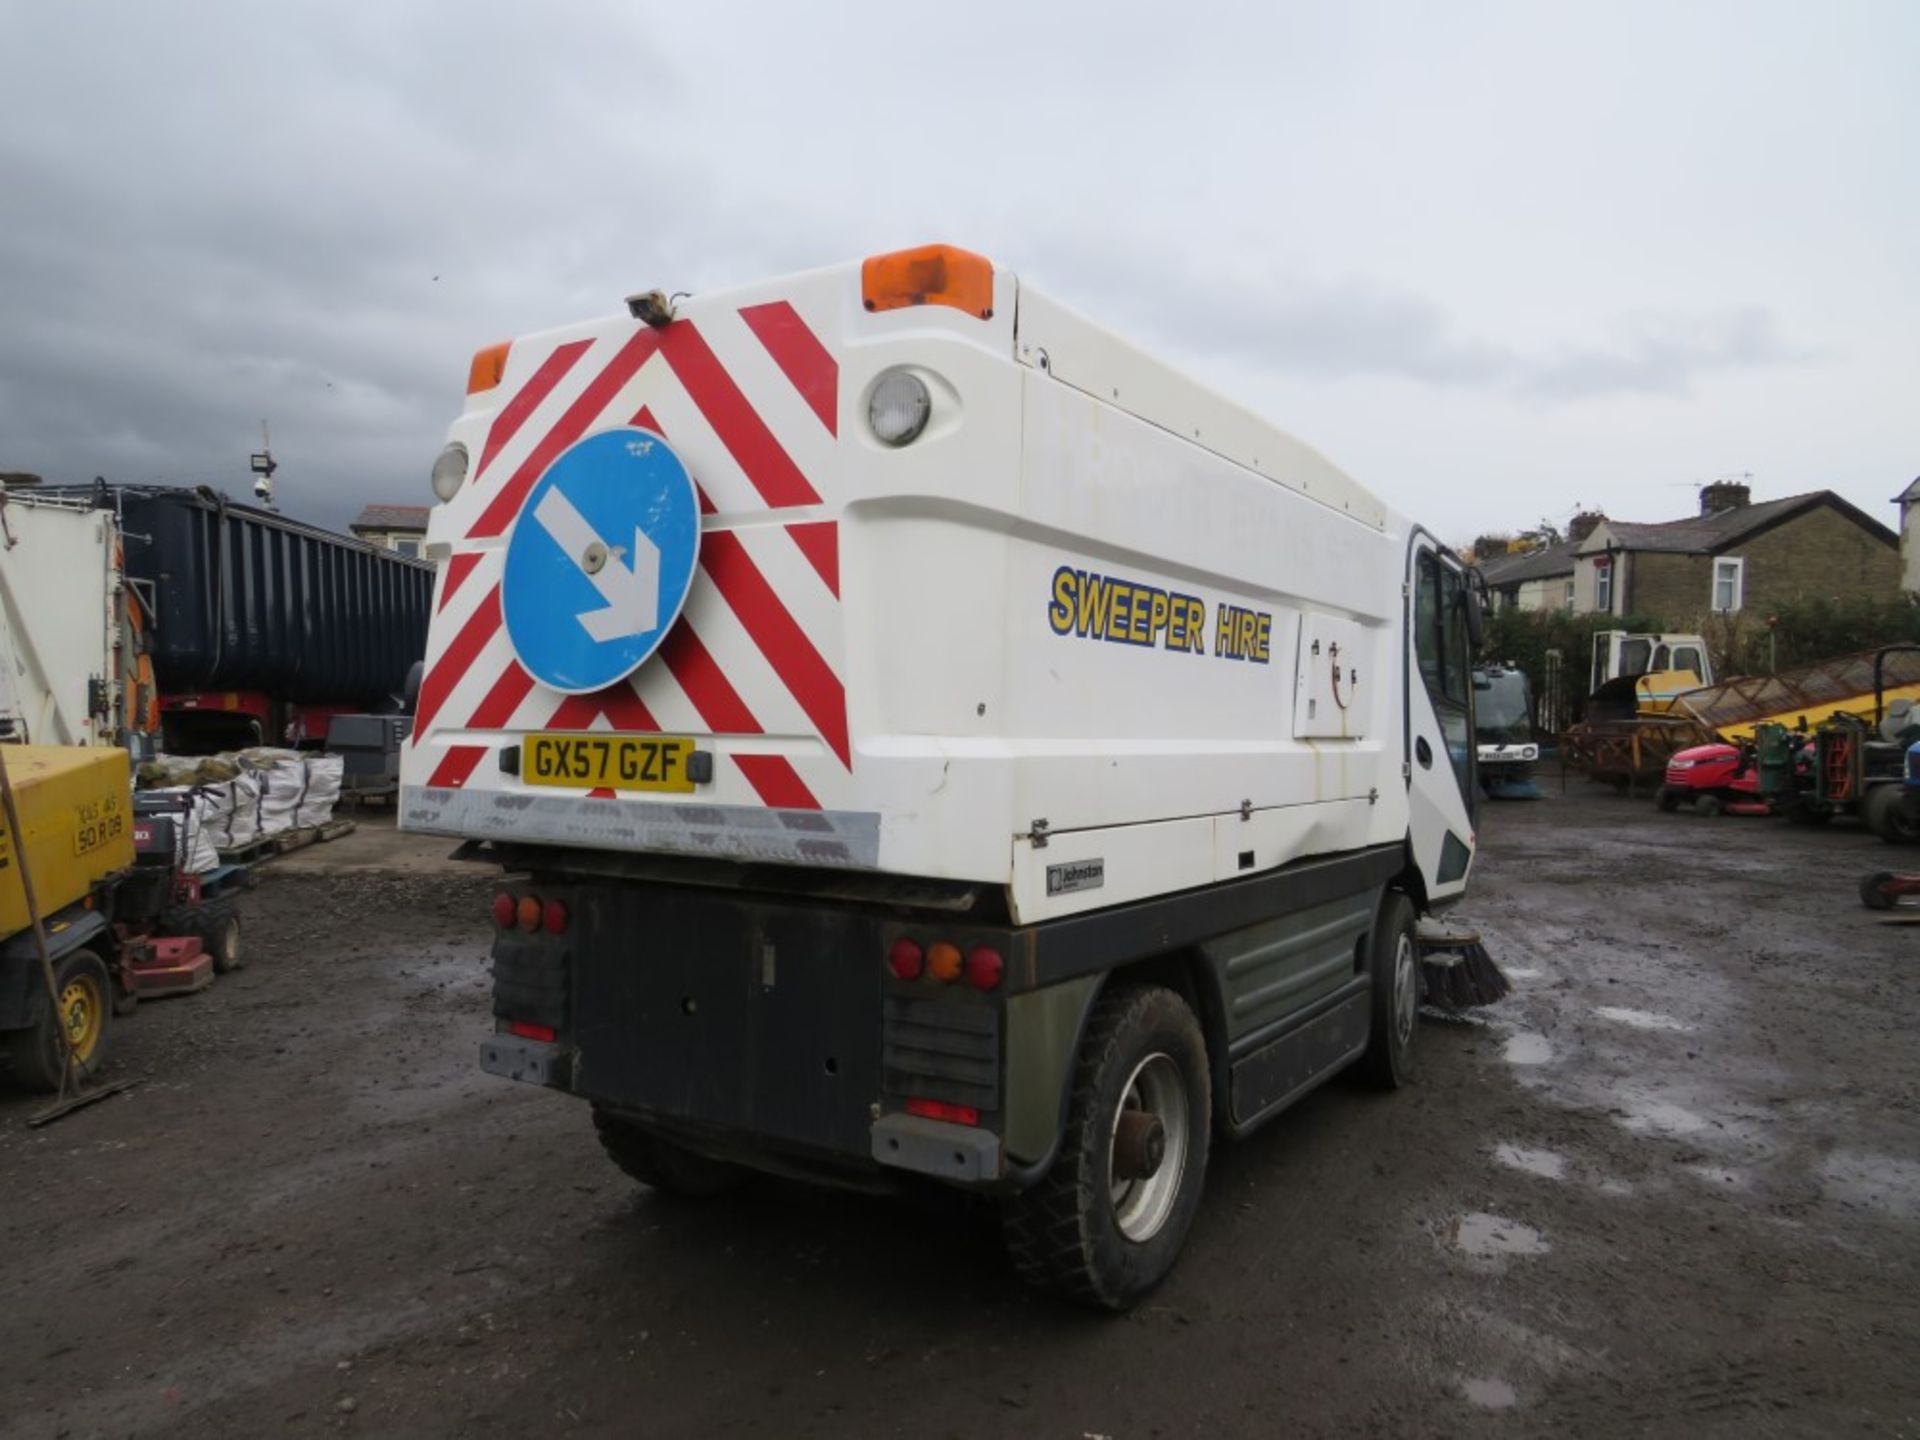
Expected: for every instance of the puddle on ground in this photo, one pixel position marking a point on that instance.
(1489, 1237)
(1544, 1163)
(1877, 1182)
(1489, 1393)
(1641, 1019)
(1527, 1048)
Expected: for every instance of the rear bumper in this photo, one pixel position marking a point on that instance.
(754, 1028)
(533, 1061)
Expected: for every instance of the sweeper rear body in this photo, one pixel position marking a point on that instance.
(930, 740)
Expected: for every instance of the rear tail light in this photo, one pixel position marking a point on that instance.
(941, 1110)
(530, 913)
(527, 1030)
(943, 961)
(984, 968)
(904, 959)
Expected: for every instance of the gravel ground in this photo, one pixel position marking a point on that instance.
(1671, 1187)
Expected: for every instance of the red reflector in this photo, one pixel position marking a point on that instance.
(941, 1110)
(503, 910)
(526, 1030)
(554, 917)
(984, 968)
(904, 958)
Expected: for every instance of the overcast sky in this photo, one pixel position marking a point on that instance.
(1495, 260)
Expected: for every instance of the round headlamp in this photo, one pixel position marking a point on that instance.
(899, 407)
(450, 471)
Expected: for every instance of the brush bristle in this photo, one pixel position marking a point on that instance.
(1474, 980)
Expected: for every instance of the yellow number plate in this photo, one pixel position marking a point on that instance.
(608, 762)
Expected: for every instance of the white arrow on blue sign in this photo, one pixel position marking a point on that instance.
(600, 560)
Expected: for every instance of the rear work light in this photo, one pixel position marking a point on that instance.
(929, 275)
(941, 1110)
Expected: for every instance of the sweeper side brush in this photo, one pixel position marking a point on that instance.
(1456, 969)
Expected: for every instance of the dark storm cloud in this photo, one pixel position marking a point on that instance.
(314, 221)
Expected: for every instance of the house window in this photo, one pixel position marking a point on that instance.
(409, 548)
(1569, 604)
(1603, 586)
(1729, 580)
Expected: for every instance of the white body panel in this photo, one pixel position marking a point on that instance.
(952, 710)
(59, 632)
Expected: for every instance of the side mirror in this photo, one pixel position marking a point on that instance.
(1472, 600)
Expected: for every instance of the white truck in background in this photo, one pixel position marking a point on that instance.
(929, 738)
(72, 667)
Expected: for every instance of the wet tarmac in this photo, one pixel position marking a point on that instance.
(1670, 1187)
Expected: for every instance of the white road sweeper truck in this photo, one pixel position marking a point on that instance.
(929, 739)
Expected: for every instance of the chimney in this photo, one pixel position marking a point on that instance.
(1724, 495)
(1583, 525)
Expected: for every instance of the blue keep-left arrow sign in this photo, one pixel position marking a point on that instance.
(600, 560)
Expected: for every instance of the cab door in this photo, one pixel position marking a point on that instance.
(1442, 788)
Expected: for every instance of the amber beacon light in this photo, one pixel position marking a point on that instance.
(929, 275)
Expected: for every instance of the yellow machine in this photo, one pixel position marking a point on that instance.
(76, 809)
(75, 806)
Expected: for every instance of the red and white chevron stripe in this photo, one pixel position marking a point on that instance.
(749, 398)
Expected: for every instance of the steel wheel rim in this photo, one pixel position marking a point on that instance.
(80, 1011)
(1406, 989)
(1141, 1207)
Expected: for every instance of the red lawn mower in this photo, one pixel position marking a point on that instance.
(1714, 778)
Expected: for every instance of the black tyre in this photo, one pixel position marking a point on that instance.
(662, 1164)
(221, 936)
(1108, 1221)
(1394, 961)
(86, 1010)
(1709, 806)
(1873, 891)
(1667, 798)
(1887, 814)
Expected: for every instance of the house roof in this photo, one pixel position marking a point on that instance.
(1710, 534)
(392, 517)
(1533, 565)
(1912, 492)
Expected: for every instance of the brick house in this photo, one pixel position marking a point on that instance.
(1538, 579)
(1533, 579)
(401, 528)
(1736, 555)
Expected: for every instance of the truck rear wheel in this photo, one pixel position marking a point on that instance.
(660, 1163)
(1108, 1221)
(86, 1010)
